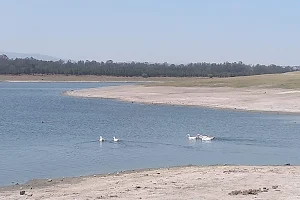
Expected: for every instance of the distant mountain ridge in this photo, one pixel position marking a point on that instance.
(13, 55)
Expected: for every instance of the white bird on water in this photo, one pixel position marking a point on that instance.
(191, 137)
(101, 139)
(116, 139)
(204, 137)
(207, 138)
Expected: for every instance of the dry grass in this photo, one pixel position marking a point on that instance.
(87, 78)
(286, 81)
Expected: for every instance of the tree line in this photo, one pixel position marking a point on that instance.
(109, 68)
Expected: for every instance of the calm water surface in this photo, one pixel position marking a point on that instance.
(45, 134)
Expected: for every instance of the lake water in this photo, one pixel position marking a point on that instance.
(44, 134)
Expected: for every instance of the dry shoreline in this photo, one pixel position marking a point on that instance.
(251, 98)
(247, 99)
(189, 182)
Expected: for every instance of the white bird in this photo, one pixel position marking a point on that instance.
(101, 139)
(206, 138)
(198, 136)
(116, 139)
(191, 137)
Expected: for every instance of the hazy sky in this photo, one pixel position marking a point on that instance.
(176, 31)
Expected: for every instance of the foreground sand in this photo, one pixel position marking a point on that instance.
(251, 98)
(192, 182)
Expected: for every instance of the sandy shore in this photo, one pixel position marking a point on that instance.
(251, 99)
(192, 182)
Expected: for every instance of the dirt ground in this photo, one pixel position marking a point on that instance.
(190, 182)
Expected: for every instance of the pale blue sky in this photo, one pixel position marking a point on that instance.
(176, 31)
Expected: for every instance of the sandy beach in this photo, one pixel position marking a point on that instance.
(190, 182)
(250, 98)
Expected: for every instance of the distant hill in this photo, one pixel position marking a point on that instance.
(14, 55)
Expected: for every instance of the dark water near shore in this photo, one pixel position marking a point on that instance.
(65, 144)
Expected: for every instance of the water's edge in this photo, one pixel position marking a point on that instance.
(42, 183)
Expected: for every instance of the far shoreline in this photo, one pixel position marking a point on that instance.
(195, 106)
(81, 78)
(213, 96)
(251, 99)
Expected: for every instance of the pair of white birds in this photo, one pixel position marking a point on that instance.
(201, 137)
(101, 139)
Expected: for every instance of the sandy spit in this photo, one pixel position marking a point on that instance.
(190, 182)
(250, 99)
